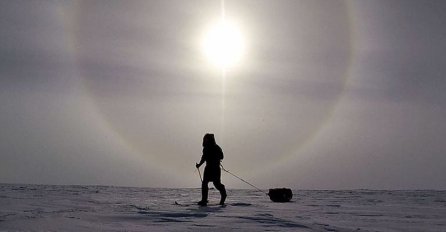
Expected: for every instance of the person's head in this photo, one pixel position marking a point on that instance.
(208, 140)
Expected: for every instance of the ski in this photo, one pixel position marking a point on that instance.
(195, 204)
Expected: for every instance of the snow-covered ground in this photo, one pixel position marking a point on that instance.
(105, 208)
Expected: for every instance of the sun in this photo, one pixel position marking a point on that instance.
(223, 44)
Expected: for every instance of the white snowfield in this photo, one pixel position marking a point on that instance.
(106, 208)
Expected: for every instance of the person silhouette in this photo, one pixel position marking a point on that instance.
(212, 155)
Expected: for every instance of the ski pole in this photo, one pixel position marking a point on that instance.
(199, 173)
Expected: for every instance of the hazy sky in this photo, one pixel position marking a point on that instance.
(328, 95)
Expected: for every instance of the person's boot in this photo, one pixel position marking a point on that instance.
(202, 203)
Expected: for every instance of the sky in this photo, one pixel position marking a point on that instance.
(327, 95)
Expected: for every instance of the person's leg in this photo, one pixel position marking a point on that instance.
(204, 193)
(221, 188)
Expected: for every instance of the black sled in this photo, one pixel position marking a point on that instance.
(280, 194)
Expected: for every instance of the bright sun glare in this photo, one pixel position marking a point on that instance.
(223, 44)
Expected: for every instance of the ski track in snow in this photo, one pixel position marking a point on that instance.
(108, 208)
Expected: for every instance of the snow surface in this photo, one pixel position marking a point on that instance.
(107, 208)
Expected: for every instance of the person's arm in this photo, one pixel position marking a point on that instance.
(201, 161)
